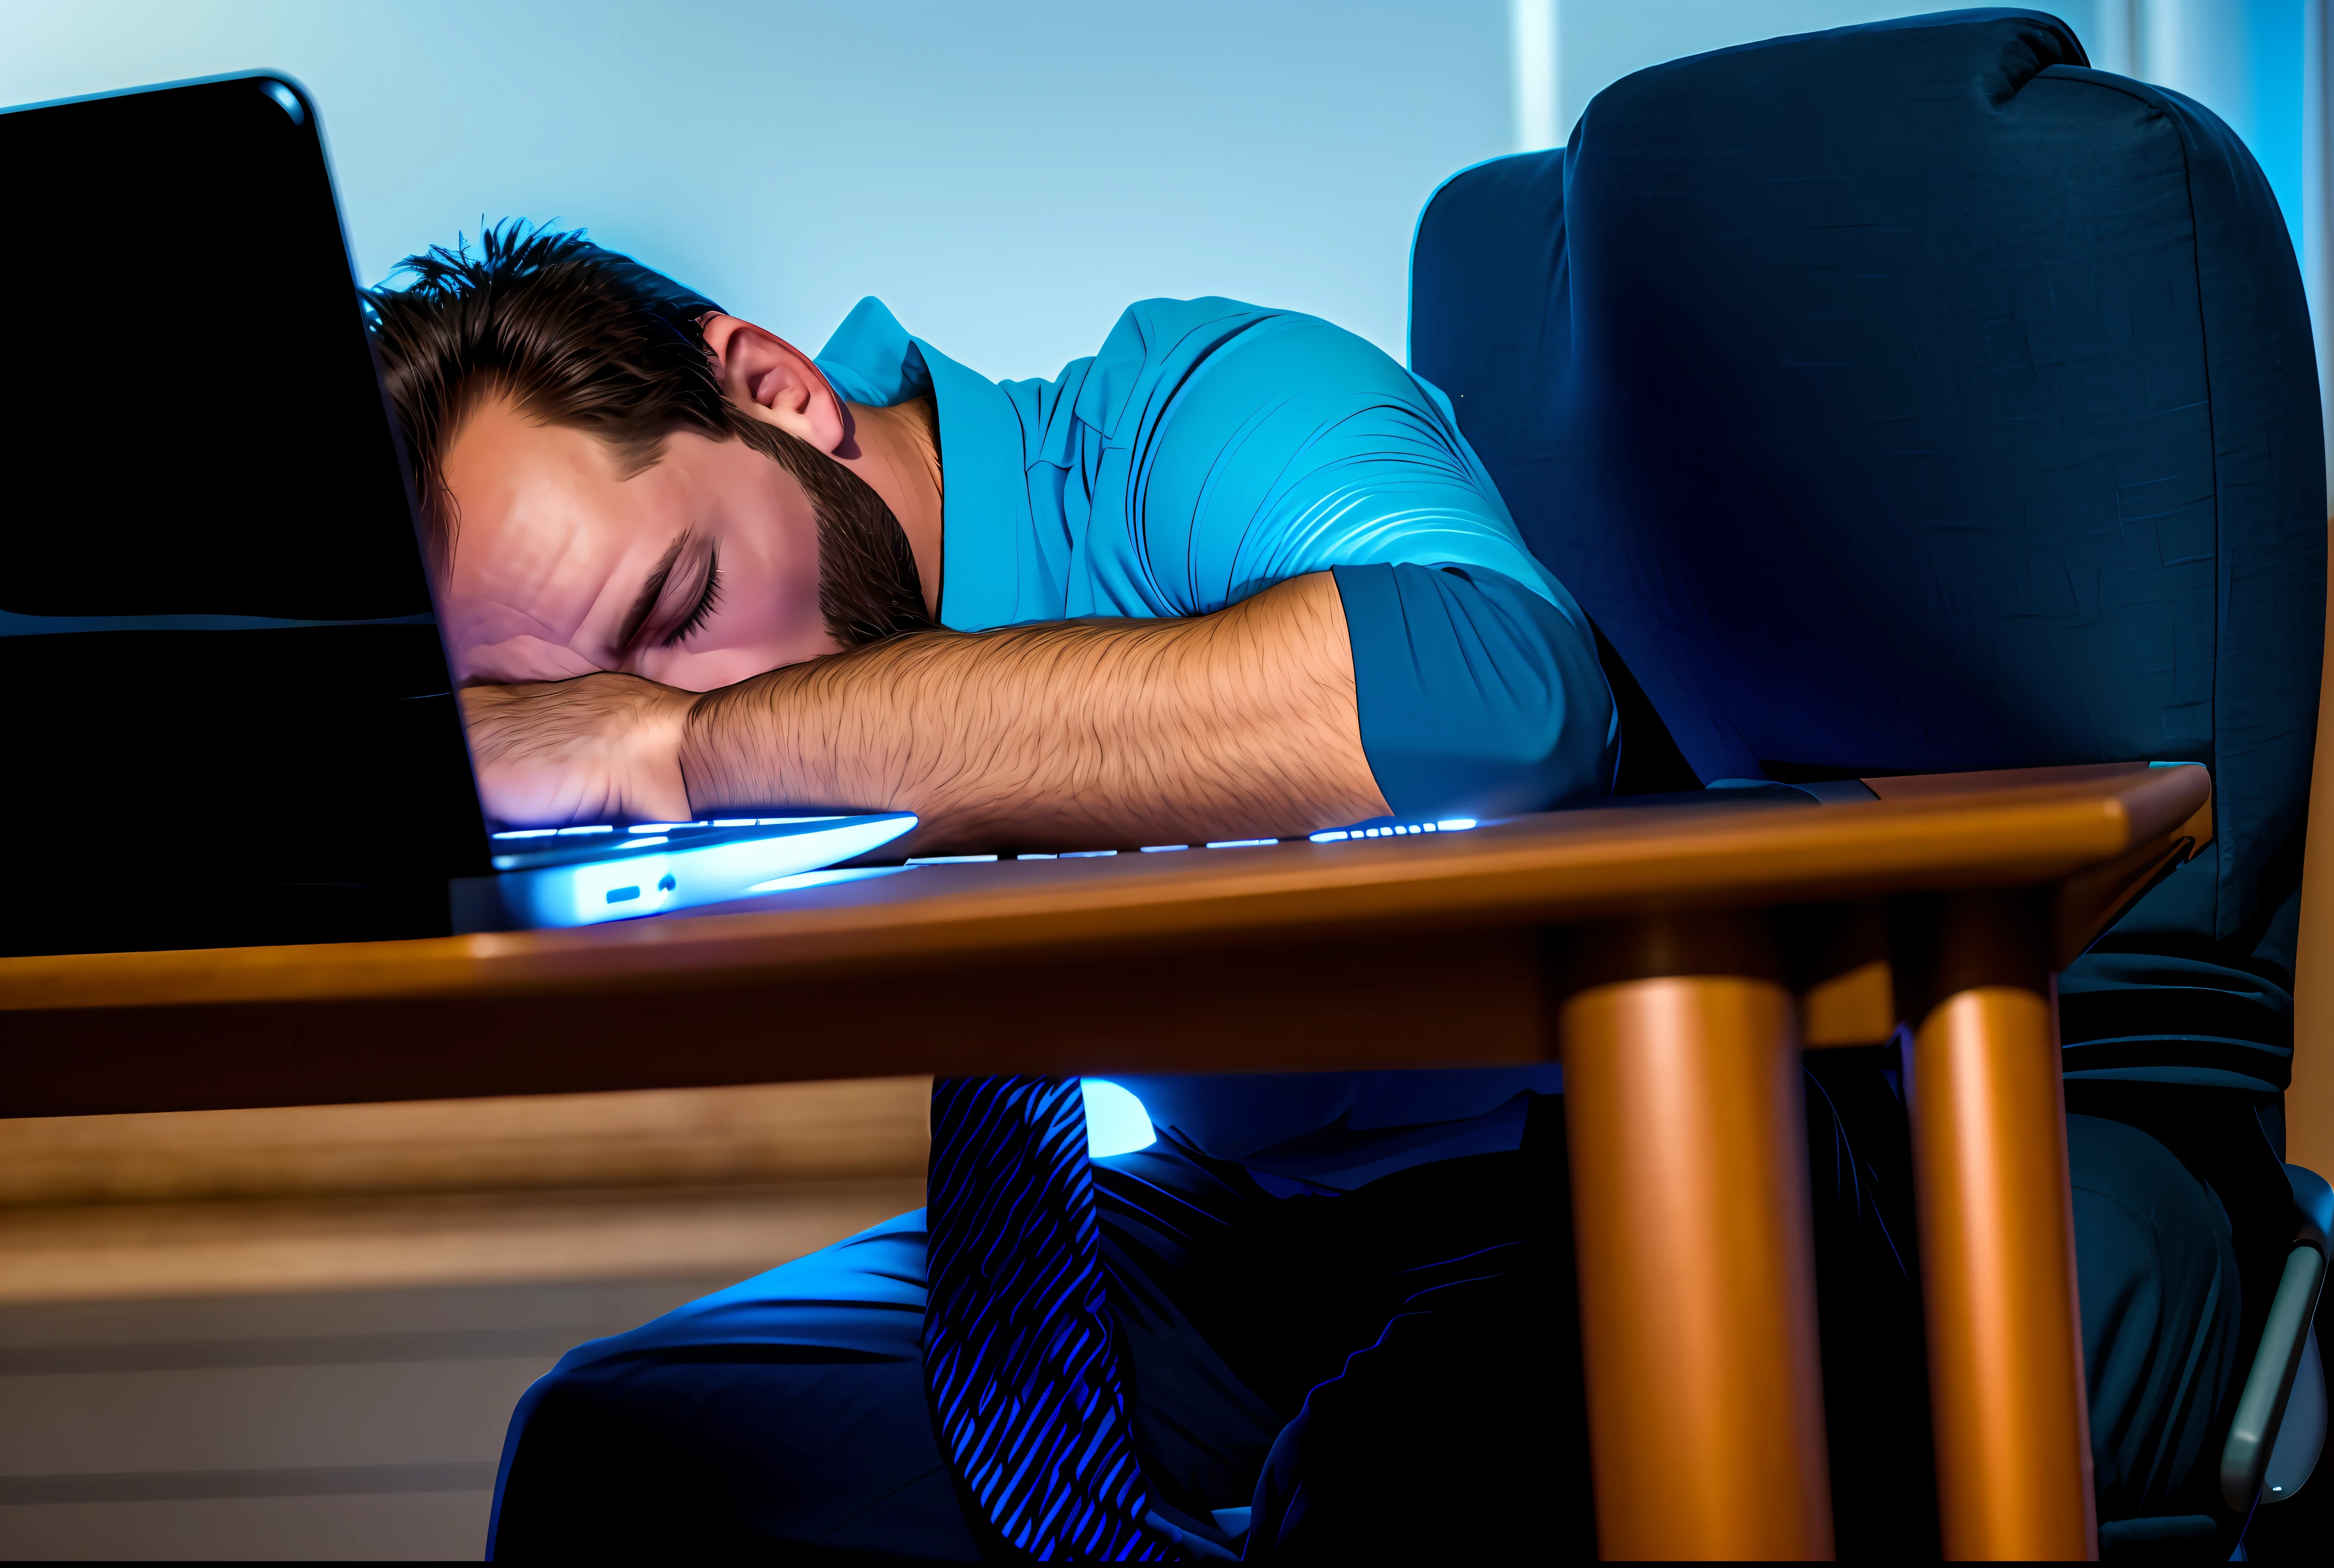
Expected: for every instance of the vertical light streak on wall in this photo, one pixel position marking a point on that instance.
(1532, 54)
(2238, 58)
(2318, 213)
(2195, 47)
(2113, 41)
(2156, 46)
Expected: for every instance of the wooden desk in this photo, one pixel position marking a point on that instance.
(1668, 952)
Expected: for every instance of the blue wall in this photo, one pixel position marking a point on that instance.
(1006, 173)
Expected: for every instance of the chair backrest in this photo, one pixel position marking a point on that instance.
(1912, 397)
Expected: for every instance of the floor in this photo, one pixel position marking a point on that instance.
(212, 1348)
(354, 1425)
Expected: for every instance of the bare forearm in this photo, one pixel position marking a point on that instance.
(1081, 736)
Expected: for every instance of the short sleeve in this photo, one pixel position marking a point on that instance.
(1477, 695)
(1283, 448)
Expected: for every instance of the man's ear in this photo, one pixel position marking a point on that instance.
(776, 382)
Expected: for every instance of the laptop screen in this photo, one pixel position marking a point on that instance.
(230, 720)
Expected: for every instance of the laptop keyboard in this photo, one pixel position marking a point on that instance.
(1335, 835)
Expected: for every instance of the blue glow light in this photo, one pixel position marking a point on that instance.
(1163, 849)
(947, 859)
(736, 821)
(1456, 825)
(1088, 854)
(610, 890)
(643, 828)
(1241, 844)
(644, 844)
(569, 832)
(285, 99)
(1116, 1122)
(1037, 857)
(782, 821)
(682, 875)
(823, 878)
(1331, 837)
(528, 833)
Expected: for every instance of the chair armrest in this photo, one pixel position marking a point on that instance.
(2261, 1409)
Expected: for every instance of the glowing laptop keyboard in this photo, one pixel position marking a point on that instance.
(1333, 835)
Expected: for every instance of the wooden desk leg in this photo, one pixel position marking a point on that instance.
(1683, 1109)
(1998, 1269)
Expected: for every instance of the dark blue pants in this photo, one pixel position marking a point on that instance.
(1391, 1373)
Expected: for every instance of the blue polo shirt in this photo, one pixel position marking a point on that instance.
(1208, 450)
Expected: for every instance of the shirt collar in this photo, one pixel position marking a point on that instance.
(872, 359)
(985, 519)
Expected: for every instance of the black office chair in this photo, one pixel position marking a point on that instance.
(1912, 397)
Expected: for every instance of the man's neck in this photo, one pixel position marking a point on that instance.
(896, 451)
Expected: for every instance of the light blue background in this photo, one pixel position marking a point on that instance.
(1007, 174)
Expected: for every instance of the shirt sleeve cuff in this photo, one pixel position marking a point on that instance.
(1477, 696)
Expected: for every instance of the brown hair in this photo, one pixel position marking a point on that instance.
(580, 336)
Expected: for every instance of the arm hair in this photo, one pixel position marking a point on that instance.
(1090, 735)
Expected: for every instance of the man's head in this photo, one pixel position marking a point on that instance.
(592, 499)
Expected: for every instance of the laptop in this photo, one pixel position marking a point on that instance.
(227, 714)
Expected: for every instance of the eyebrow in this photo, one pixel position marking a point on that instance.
(651, 590)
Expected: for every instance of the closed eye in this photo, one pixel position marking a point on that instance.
(708, 598)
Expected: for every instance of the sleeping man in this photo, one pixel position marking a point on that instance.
(1237, 575)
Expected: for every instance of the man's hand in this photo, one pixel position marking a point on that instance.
(598, 748)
